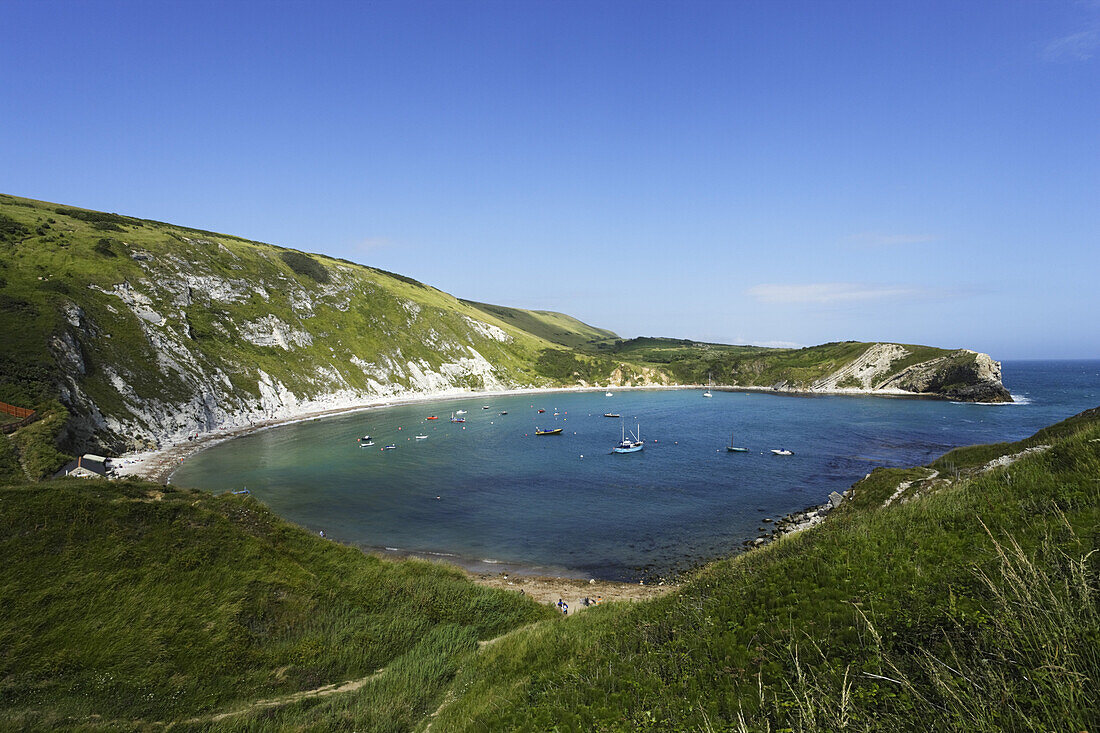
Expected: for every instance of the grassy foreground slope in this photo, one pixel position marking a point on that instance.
(970, 602)
(129, 603)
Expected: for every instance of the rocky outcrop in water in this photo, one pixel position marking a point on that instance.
(965, 376)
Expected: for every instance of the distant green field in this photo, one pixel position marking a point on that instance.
(557, 328)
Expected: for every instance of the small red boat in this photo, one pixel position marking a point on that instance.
(433, 417)
(542, 411)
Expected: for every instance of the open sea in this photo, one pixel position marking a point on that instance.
(490, 495)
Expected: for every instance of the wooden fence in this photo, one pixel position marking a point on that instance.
(16, 411)
(28, 416)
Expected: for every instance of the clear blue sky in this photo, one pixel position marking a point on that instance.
(756, 172)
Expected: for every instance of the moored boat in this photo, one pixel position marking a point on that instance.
(731, 449)
(391, 446)
(555, 431)
(432, 417)
(630, 446)
(457, 419)
(782, 452)
(611, 414)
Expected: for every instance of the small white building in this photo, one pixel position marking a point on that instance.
(87, 466)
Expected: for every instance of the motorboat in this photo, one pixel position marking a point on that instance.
(555, 431)
(421, 437)
(782, 452)
(391, 446)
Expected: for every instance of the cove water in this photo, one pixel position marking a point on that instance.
(489, 494)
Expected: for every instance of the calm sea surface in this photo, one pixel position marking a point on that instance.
(489, 494)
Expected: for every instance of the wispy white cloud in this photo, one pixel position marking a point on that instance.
(829, 293)
(369, 244)
(880, 239)
(777, 344)
(1079, 46)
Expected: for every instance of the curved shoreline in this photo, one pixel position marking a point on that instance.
(159, 464)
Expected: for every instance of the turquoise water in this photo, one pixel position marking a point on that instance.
(489, 494)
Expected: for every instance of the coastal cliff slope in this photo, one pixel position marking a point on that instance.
(132, 333)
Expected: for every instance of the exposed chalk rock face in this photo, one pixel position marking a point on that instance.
(488, 330)
(867, 369)
(270, 331)
(963, 375)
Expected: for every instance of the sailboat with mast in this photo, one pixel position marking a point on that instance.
(732, 449)
(710, 383)
(630, 446)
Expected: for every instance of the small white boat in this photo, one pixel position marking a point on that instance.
(782, 452)
(366, 443)
(460, 412)
(421, 437)
(607, 394)
(707, 394)
(710, 383)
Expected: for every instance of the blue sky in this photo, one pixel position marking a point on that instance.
(747, 172)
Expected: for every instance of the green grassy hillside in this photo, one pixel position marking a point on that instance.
(142, 328)
(554, 327)
(694, 362)
(128, 603)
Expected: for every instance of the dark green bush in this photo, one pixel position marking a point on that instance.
(11, 230)
(103, 247)
(305, 266)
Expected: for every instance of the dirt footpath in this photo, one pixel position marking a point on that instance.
(549, 590)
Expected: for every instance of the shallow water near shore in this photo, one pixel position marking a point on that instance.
(490, 494)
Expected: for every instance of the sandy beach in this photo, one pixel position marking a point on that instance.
(570, 590)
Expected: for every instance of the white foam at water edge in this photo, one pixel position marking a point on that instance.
(489, 561)
(394, 549)
(1016, 400)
